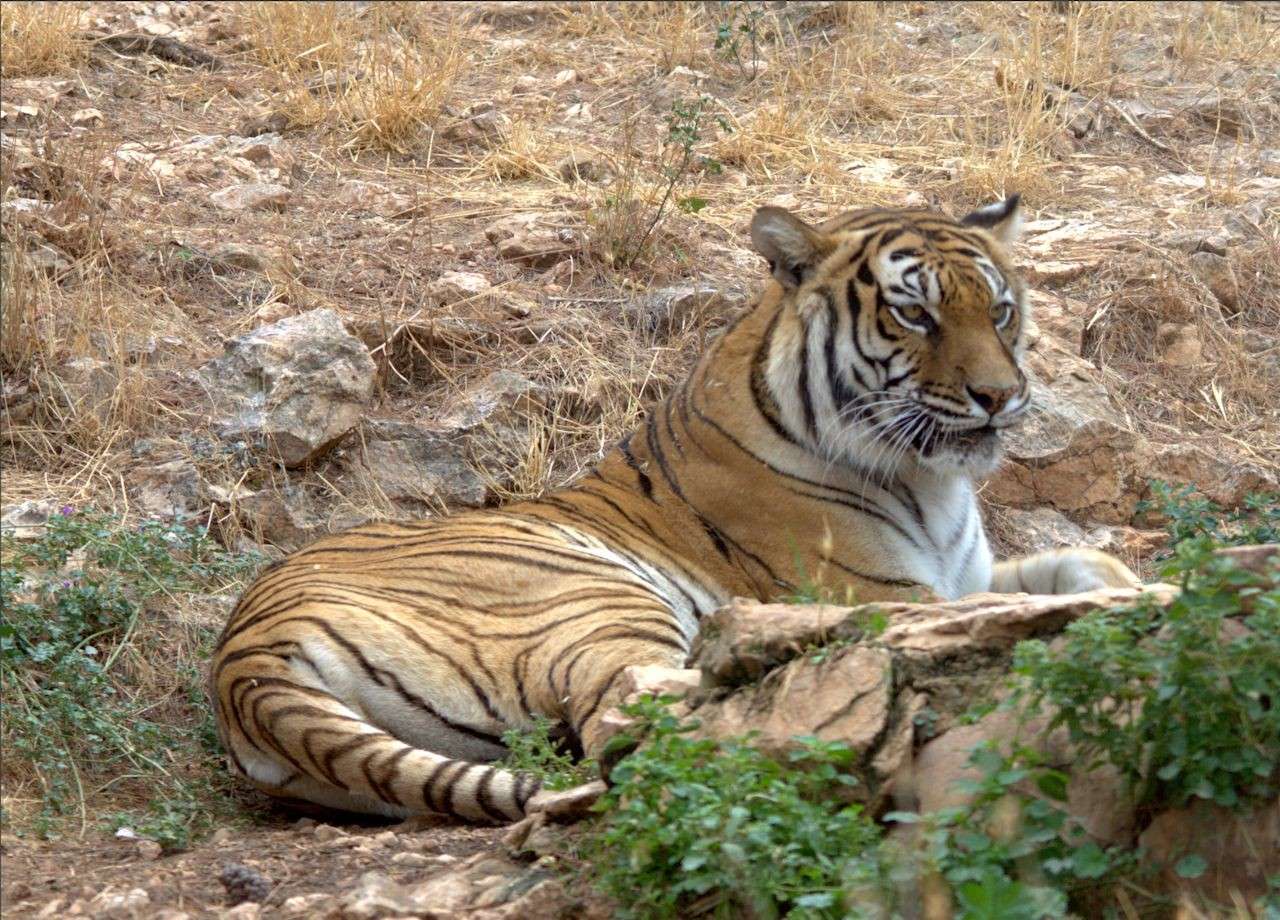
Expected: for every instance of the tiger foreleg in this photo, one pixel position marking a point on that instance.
(1070, 570)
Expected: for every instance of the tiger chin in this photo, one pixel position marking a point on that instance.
(838, 425)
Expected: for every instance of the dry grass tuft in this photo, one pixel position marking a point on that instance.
(39, 38)
(380, 77)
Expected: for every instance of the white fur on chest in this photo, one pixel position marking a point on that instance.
(947, 548)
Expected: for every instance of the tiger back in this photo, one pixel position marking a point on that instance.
(836, 427)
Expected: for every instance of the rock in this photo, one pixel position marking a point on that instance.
(1241, 849)
(564, 78)
(1044, 528)
(172, 489)
(845, 695)
(242, 256)
(1073, 452)
(638, 680)
(493, 419)
(1178, 345)
(539, 241)
(27, 520)
(149, 849)
(412, 860)
(1269, 161)
(483, 887)
(454, 286)
(306, 905)
(480, 123)
(249, 910)
(244, 883)
(369, 196)
(324, 832)
(112, 904)
(745, 640)
(298, 386)
(84, 118)
(1217, 274)
(420, 464)
(47, 260)
(83, 386)
(1224, 479)
(268, 149)
(18, 114)
(252, 196)
(526, 84)
(583, 167)
(291, 517)
(671, 309)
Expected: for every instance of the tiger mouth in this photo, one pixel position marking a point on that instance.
(968, 440)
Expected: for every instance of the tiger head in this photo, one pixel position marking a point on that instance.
(898, 335)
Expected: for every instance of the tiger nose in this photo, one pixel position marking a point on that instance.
(991, 399)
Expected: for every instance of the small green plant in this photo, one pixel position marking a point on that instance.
(1179, 699)
(694, 826)
(533, 750)
(72, 602)
(1190, 516)
(739, 31)
(631, 216)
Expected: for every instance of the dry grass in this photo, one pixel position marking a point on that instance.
(380, 76)
(39, 38)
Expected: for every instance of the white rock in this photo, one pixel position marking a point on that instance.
(252, 196)
(83, 118)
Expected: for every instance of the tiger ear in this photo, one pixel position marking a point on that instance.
(1003, 220)
(790, 245)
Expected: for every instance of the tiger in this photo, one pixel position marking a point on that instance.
(838, 424)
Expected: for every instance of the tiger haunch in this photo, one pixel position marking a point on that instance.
(837, 427)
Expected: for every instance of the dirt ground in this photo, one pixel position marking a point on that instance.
(402, 138)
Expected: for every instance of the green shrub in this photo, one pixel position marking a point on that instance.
(72, 600)
(533, 750)
(695, 826)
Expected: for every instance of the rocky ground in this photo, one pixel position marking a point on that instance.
(273, 269)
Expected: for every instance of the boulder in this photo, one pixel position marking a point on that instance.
(420, 464)
(290, 517)
(1221, 477)
(1043, 528)
(670, 309)
(1178, 345)
(297, 386)
(1218, 275)
(1073, 451)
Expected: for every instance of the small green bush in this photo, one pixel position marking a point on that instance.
(72, 600)
(533, 750)
(719, 828)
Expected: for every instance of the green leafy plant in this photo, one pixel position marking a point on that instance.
(533, 750)
(1179, 699)
(694, 826)
(72, 601)
(631, 217)
(739, 32)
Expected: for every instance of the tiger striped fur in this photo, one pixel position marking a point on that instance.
(836, 426)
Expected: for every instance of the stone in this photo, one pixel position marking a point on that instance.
(149, 849)
(291, 517)
(369, 196)
(454, 286)
(579, 166)
(111, 904)
(1218, 275)
(480, 122)
(845, 695)
(27, 520)
(85, 118)
(297, 386)
(84, 386)
(1073, 451)
(1043, 528)
(305, 905)
(417, 463)
(268, 149)
(244, 883)
(744, 640)
(1222, 478)
(249, 910)
(172, 489)
(1242, 849)
(1178, 345)
(671, 309)
(564, 78)
(538, 241)
(252, 196)
(484, 887)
